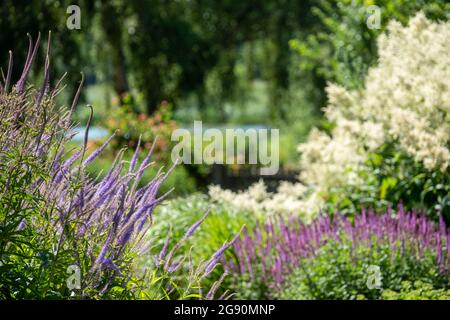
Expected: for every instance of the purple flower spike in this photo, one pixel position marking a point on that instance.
(275, 249)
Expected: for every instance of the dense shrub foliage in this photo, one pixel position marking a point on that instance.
(416, 291)
(54, 217)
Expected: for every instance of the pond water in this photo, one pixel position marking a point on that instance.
(98, 133)
(95, 133)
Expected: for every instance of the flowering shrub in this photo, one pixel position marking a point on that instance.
(133, 127)
(405, 99)
(404, 105)
(399, 120)
(417, 291)
(329, 258)
(55, 218)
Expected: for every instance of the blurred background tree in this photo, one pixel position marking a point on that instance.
(166, 49)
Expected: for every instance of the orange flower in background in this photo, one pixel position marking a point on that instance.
(142, 116)
(115, 101)
(162, 144)
(133, 125)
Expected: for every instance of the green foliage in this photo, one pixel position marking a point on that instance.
(245, 287)
(21, 17)
(339, 271)
(344, 48)
(416, 291)
(22, 247)
(176, 215)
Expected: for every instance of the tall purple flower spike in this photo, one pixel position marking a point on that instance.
(112, 209)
